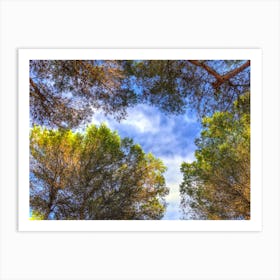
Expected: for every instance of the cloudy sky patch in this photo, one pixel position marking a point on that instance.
(168, 137)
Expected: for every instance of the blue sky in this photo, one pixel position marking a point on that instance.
(168, 137)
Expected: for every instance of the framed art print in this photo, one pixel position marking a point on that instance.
(140, 139)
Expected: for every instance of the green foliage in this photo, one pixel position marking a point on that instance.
(177, 85)
(98, 175)
(36, 216)
(95, 175)
(66, 93)
(217, 184)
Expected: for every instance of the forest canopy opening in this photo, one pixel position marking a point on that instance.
(82, 171)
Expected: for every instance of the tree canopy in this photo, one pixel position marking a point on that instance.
(66, 93)
(179, 85)
(95, 175)
(217, 184)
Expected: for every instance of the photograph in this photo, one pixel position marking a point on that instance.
(140, 140)
(143, 139)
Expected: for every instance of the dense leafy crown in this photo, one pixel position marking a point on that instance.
(217, 184)
(96, 175)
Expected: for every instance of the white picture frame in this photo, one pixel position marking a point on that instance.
(254, 55)
(177, 255)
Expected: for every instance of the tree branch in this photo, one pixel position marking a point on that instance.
(236, 71)
(207, 68)
(220, 79)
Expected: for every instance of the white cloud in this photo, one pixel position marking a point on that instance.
(99, 118)
(173, 195)
(190, 119)
(138, 118)
(141, 121)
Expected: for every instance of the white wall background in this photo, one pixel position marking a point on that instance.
(150, 24)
